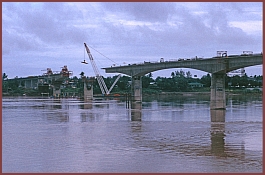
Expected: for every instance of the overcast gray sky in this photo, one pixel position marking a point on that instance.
(37, 36)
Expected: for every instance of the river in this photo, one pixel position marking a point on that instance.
(169, 134)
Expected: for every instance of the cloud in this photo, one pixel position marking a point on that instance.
(40, 25)
(142, 11)
(179, 31)
(128, 31)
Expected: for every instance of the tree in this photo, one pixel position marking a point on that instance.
(146, 81)
(181, 83)
(172, 74)
(235, 80)
(150, 75)
(206, 80)
(4, 83)
(123, 83)
(177, 74)
(188, 74)
(4, 76)
(244, 80)
(182, 73)
(82, 74)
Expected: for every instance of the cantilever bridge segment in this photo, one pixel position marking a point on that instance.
(217, 66)
(211, 65)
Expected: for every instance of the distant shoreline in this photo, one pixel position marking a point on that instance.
(184, 94)
(187, 94)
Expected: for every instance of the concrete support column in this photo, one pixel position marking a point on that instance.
(26, 84)
(20, 83)
(218, 91)
(137, 88)
(136, 111)
(56, 92)
(88, 91)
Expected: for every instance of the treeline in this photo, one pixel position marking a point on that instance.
(179, 81)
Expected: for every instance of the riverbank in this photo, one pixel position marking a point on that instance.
(188, 94)
(148, 94)
(228, 92)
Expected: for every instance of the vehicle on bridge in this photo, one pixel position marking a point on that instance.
(221, 54)
(247, 53)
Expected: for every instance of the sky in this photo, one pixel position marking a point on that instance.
(37, 36)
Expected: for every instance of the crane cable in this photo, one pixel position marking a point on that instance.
(102, 54)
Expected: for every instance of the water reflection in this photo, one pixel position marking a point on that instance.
(54, 104)
(86, 105)
(218, 139)
(217, 115)
(218, 132)
(151, 137)
(219, 147)
(136, 128)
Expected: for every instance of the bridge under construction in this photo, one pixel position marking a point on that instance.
(218, 66)
(50, 80)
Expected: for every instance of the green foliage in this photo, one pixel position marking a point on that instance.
(206, 80)
(146, 81)
(178, 82)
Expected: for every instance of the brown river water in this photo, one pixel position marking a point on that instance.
(160, 135)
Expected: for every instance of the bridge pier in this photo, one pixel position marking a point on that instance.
(136, 111)
(88, 91)
(137, 88)
(88, 88)
(56, 91)
(218, 91)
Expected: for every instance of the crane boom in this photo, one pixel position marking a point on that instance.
(99, 78)
(114, 83)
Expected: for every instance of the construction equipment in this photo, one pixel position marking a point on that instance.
(99, 78)
(84, 62)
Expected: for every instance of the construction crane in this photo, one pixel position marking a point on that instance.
(99, 78)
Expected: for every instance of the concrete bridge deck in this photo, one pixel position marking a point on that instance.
(217, 66)
(211, 65)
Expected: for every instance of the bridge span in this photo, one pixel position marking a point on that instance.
(217, 66)
(211, 65)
